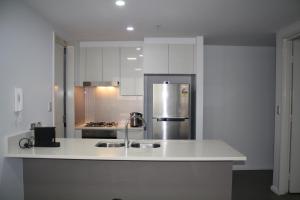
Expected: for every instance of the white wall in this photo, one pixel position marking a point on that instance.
(26, 62)
(239, 100)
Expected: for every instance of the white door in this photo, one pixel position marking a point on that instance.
(59, 91)
(295, 133)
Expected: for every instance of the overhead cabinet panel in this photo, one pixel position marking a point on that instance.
(80, 72)
(169, 58)
(139, 76)
(111, 63)
(93, 64)
(131, 72)
(181, 59)
(156, 59)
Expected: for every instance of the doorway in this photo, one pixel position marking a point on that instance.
(60, 87)
(294, 182)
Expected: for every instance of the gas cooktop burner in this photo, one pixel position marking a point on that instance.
(111, 124)
(101, 124)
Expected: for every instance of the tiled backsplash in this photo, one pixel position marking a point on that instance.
(79, 105)
(106, 104)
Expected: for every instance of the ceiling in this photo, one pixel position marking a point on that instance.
(224, 22)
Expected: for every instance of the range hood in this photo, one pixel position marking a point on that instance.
(101, 83)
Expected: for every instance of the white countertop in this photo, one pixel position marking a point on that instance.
(170, 150)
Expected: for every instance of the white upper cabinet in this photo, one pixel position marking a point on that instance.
(156, 59)
(93, 64)
(169, 55)
(80, 72)
(181, 59)
(131, 83)
(139, 73)
(111, 63)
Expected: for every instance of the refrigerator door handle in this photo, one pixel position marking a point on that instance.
(169, 119)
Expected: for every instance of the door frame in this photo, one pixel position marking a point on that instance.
(58, 40)
(69, 81)
(292, 102)
(282, 145)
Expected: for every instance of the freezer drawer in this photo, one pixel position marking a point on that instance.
(171, 100)
(171, 128)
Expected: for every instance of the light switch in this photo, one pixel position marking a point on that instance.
(18, 99)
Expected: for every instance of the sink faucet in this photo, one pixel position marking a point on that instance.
(126, 129)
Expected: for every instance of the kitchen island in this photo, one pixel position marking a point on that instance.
(176, 170)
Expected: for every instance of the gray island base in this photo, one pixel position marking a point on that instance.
(60, 179)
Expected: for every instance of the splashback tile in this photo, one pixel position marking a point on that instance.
(106, 104)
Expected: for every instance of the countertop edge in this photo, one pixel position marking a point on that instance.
(202, 159)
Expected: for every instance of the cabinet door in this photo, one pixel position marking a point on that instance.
(111, 64)
(78, 134)
(131, 71)
(80, 72)
(93, 64)
(156, 59)
(181, 59)
(139, 75)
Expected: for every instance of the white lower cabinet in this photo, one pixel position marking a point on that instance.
(132, 134)
(78, 134)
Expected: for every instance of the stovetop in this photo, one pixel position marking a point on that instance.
(101, 124)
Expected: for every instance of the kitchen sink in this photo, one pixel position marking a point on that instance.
(144, 145)
(110, 144)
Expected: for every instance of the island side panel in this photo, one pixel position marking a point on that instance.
(126, 180)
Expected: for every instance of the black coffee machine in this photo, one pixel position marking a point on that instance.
(45, 137)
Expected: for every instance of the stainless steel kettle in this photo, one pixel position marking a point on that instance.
(134, 119)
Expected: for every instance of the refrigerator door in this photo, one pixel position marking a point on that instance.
(171, 100)
(171, 128)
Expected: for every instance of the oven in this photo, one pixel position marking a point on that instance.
(99, 134)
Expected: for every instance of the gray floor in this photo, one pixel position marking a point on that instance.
(255, 185)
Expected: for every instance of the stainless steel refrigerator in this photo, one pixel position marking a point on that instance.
(171, 118)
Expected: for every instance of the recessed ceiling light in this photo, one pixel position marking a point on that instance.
(138, 48)
(120, 3)
(131, 58)
(138, 69)
(129, 28)
(141, 55)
